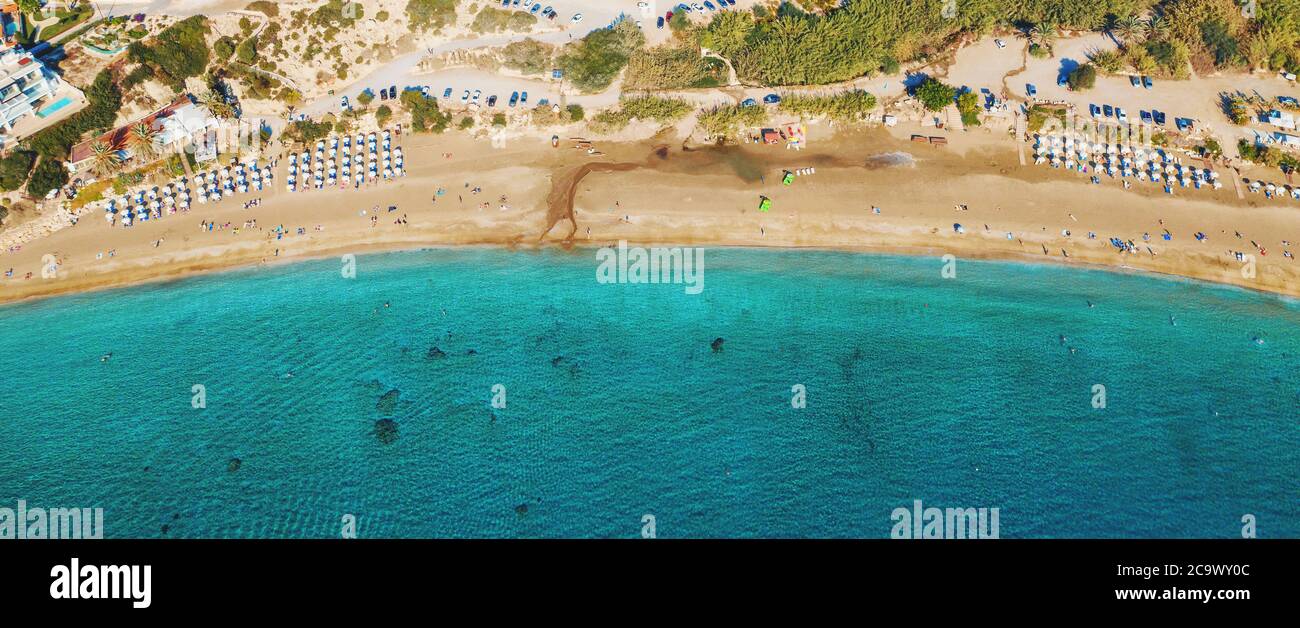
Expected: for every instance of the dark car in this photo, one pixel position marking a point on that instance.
(446, 93)
(1031, 90)
(1145, 116)
(660, 22)
(1159, 117)
(771, 99)
(749, 102)
(523, 98)
(1108, 110)
(1146, 82)
(392, 91)
(492, 100)
(514, 99)
(383, 94)
(1134, 81)
(1062, 80)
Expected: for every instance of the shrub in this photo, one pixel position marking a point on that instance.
(593, 62)
(1082, 78)
(727, 122)
(846, 106)
(430, 14)
(179, 52)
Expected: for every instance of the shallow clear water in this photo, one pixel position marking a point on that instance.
(956, 392)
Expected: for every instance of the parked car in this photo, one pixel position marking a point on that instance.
(771, 99)
(424, 91)
(1146, 82)
(1031, 90)
(660, 22)
(1134, 81)
(535, 8)
(1108, 110)
(446, 93)
(684, 8)
(383, 94)
(492, 100)
(477, 93)
(749, 102)
(576, 18)
(1094, 111)
(668, 17)
(465, 96)
(392, 92)
(514, 99)
(1120, 115)
(523, 98)
(1145, 116)
(1063, 80)
(343, 104)
(1158, 116)
(709, 5)
(999, 43)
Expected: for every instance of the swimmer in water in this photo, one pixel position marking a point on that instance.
(106, 356)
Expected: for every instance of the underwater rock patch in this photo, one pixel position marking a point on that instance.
(388, 401)
(435, 353)
(234, 465)
(716, 345)
(521, 509)
(386, 430)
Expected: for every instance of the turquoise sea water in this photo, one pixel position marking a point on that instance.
(957, 392)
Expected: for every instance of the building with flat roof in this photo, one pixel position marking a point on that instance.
(32, 97)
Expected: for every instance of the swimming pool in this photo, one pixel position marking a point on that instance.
(53, 107)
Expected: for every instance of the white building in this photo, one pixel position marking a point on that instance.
(1290, 141)
(31, 96)
(1280, 118)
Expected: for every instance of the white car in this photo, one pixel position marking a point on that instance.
(477, 93)
(1119, 113)
(465, 97)
(1000, 43)
(577, 18)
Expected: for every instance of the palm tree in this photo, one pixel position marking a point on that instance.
(1131, 30)
(104, 160)
(144, 141)
(1157, 28)
(1043, 34)
(217, 105)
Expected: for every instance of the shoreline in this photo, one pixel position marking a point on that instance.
(660, 191)
(182, 272)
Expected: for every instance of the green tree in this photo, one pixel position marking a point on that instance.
(425, 115)
(1082, 78)
(50, 174)
(382, 115)
(935, 95)
(14, 169)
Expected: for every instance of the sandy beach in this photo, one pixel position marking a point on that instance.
(667, 190)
